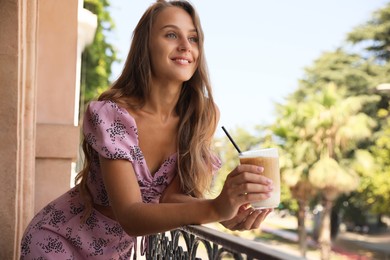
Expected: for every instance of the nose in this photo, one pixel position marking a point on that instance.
(184, 45)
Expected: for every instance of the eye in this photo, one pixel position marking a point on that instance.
(171, 35)
(193, 39)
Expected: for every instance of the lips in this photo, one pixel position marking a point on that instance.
(181, 60)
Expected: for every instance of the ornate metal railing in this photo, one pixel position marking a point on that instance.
(216, 245)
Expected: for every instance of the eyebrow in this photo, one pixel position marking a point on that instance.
(175, 27)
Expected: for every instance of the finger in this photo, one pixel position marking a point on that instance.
(244, 207)
(246, 168)
(239, 218)
(228, 224)
(231, 223)
(254, 188)
(245, 191)
(243, 215)
(252, 220)
(268, 212)
(256, 218)
(264, 214)
(242, 187)
(260, 218)
(252, 197)
(249, 177)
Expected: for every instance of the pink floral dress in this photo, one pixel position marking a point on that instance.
(56, 232)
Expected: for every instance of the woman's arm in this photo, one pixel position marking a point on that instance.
(138, 218)
(174, 194)
(246, 218)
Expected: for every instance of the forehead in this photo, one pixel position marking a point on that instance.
(174, 16)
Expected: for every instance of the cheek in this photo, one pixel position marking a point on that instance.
(196, 58)
(155, 52)
(195, 53)
(156, 59)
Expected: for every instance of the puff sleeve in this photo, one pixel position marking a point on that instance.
(111, 131)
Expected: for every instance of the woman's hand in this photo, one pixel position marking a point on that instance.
(247, 218)
(243, 185)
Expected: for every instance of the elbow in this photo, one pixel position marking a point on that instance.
(133, 221)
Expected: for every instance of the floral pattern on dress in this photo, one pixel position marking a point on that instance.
(52, 245)
(117, 130)
(74, 240)
(117, 154)
(95, 120)
(57, 232)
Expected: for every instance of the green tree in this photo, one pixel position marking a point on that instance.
(346, 70)
(380, 196)
(358, 77)
(98, 57)
(374, 37)
(334, 127)
(319, 134)
(338, 126)
(297, 154)
(375, 34)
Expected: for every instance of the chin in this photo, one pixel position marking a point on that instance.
(184, 79)
(181, 76)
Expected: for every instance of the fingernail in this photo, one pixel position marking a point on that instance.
(270, 187)
(260, 168)
(269, 181)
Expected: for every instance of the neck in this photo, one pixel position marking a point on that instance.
(162, 100)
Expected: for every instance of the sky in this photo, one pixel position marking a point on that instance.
(256, 50)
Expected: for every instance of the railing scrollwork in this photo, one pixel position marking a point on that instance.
(183, 244)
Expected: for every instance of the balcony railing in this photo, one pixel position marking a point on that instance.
(216, 245)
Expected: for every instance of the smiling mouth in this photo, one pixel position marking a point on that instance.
(182, 61)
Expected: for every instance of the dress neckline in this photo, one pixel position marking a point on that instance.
(160, 168)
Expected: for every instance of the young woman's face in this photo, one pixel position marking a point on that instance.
(173, 46)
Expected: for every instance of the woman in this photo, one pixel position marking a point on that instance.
(147, 152)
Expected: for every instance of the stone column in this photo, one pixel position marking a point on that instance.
(38, 53)
(17, 113)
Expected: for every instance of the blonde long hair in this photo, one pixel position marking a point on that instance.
(195, 107)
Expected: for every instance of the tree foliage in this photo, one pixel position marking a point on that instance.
(375, 34)
(334, 130)
(99, 56)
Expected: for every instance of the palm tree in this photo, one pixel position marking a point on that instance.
(318, 136)
(337, 125)
(297, 155)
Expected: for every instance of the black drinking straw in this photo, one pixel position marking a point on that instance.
(231, 139)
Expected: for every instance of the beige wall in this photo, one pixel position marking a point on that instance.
(38, 53)
(57, 138)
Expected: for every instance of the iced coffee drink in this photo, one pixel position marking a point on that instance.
(269, 160)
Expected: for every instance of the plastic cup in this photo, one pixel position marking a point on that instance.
(269, 159)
